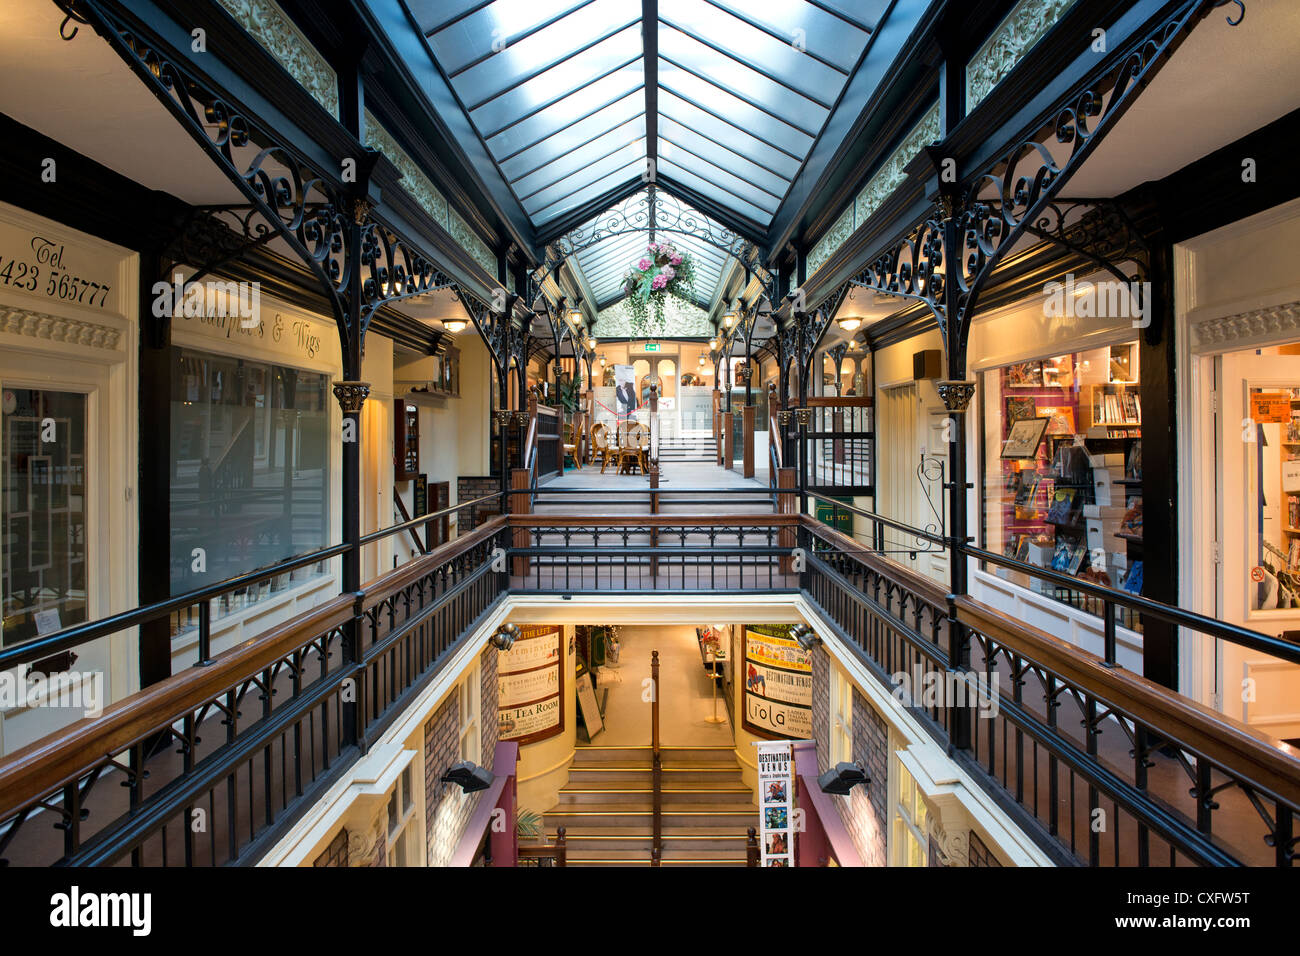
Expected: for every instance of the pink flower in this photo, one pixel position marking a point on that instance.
(659, 281)
(652, 248)
(644, 264)
(668, 272)
(676, 260)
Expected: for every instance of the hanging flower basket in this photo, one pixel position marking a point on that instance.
(662, 272)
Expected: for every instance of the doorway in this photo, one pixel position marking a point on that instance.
(1256, 477)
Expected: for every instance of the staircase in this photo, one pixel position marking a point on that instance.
(687, 449)
(607, 807)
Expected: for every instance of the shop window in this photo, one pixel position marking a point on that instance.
(44, 512)
(841, 719)
(470, 739)
(403, 836)
(250, 473)
(911, 842)
(1271, 437)
(1062, 455)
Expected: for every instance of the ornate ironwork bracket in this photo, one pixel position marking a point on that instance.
(351, 395)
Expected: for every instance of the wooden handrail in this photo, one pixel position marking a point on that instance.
(766, 520)
(924, 587)
(61, 757)
(840, 401)
(1260, 758)
(774, 441)
(656, 771)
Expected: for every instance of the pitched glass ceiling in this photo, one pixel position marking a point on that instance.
(570, 107)
(604, 262)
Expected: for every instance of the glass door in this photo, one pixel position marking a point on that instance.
(43, 511)
(1258, 520)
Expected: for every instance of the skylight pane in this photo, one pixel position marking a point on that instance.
(738, 140)
(669, 154)
(557, 117)
(742, 41)
(679, 136)
(558, 82)
(817, 31)
(735, 111)
(723, 198)
(607, 184)
(550, 46)
(555, 147)
(630, 155)
(577, 159)
(463, 41)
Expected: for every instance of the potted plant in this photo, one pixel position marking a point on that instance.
(529, 826)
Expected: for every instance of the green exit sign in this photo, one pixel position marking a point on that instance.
(652, 346)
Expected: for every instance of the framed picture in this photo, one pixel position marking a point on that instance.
(1018, 409)
(1060, 419)
(1025, 375)
(1024, 438)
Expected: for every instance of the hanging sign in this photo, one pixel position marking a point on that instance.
(778, 686)
(1270, 407)
(776, 802)
(530, 685)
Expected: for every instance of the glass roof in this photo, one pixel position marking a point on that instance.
(606, 247)
(557, 90)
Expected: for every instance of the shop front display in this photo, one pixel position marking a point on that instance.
(1062, 461)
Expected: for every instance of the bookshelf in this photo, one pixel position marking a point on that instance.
(1287, 464)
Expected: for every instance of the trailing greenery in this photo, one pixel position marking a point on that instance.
(661, 273)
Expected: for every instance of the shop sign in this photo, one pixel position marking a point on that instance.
(44, 265)
(776, 802)
(530, 685)
(1270, 407)
(837, 518)
(778, 686)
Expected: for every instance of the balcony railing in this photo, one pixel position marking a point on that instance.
(1098, 765)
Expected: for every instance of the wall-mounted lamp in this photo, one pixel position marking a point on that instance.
(505, 637)
(713, 345)
(842, 778)
(805, 636)
(575, 317)
(602, 359)
(728, 319)
(702, 362)
(470, 777)
(853, 345)
(850, 324)
(455, 326)
(591, 343)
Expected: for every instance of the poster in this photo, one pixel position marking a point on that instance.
(778, 685)
(776, 802)
(1270, 406)
(625, 400)
(530, 685)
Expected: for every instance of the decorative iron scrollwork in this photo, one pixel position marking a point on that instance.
(351, 395)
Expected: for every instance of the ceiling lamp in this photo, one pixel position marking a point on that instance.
(575, 317)
(853, 345)
(850, 325)
(729, 319)
(602, 359)
(713, 345)
(702, 363)
(591, 343)
(455, 326)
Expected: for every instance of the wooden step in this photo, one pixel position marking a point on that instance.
(672, 797)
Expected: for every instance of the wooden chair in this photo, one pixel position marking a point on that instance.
(570, 447)
(633, 451)
(601, 448)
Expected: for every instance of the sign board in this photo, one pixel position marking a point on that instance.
(776, 802)
(1291, 475)
(778, 686)
(837, 518)
(530, 685)
(1270, 407)
(420, 506)
(651, 347)
(591, 718)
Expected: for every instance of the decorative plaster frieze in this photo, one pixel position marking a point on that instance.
(418, 185)
(269, 26)
(679, 321)
(891, 175)
(1015, 35)
(1254, 324)
(880, 187)
(53, 328)
(431, 200)
(469, 240)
